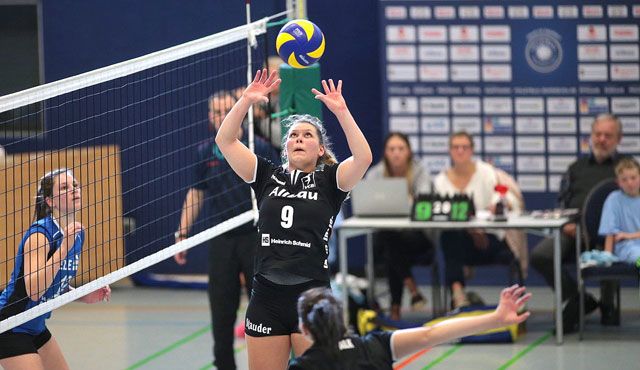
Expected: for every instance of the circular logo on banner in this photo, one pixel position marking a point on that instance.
(543, 51)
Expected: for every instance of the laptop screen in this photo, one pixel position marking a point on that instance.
(381, 197)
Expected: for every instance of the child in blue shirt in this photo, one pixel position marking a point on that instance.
(620, 221)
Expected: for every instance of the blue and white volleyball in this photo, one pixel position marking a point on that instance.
(300, 43)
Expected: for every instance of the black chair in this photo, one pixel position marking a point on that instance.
(609, 277)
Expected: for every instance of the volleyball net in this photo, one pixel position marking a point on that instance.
(133, 135)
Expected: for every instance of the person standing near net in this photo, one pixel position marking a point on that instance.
(230, 254)
(321, 320)
(48, 258)
(298, 203)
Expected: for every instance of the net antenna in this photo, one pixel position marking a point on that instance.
(151, 107)
(297, 9)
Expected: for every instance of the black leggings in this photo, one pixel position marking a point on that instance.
(459, 251)
(402, 250)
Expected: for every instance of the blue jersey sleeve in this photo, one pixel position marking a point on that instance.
(37, 228)
(41, 228)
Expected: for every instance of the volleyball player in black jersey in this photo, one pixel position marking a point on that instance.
(321, 319)
(297, 202)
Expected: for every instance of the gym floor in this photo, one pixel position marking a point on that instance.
(145, 328)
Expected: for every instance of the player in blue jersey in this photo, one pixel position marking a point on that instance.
(47, 259)
(298, 203)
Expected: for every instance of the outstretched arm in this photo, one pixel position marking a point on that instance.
(408, 341)
(240, 158)
(351, 170)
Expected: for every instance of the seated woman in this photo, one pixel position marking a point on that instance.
(471, 247)
(403, 249)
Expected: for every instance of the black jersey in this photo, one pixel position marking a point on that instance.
(371, 352)
(297, 211)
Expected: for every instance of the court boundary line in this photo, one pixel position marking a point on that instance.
(526, 350)
(444, 356)
(411, 358)
(183, 341)
(170, 347)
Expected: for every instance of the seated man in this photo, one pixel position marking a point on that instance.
(581, 176)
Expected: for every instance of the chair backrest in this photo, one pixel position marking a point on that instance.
(592, 212)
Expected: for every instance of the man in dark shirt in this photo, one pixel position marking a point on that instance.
(581, 176)
(217, 187)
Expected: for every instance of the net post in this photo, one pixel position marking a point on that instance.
(250, 39)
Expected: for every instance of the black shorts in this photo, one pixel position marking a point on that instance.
(16, 344)
(272, 308)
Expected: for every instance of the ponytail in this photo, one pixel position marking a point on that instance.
(321, 314)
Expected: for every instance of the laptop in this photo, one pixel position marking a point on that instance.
(381, 197)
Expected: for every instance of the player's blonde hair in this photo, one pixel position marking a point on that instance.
(328, 157)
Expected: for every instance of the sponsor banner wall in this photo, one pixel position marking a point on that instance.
(525, 78)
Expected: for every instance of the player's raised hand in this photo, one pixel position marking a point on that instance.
(512, 300)
(332, 96)
(261, 86)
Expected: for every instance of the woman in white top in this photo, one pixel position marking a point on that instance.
(470, 247)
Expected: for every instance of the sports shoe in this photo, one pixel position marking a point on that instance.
(597, 258)
(475, 299)
(418, 301)
(571, 312)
